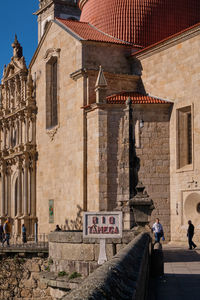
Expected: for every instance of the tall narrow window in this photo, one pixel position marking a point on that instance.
(51, 93)
(184, 136)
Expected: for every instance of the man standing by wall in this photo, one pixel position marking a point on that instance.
(158, 231)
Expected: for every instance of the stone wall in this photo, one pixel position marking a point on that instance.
(152, 152)
(19, 278)
(70, 252)
(170, 70)
(60, 149)
(125, 276)
(154, 160)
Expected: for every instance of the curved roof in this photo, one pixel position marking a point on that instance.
(140, 22)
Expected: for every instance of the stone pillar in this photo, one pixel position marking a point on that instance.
(9, 134)
(33, 119)
(21, 119)
(4, 136)
(7, 96)
(27, 128)
(11, 86)
(3, 189)
(23, 88)
(19, 196)
(26, 168)
(8, 206)
(33, 188)
(0, 137)
(97, 152)
(126, 158)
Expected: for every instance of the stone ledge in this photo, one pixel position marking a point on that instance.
(66, 237)
(77, 237)
(54, 281)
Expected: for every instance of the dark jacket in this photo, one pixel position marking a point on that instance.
(190, 231)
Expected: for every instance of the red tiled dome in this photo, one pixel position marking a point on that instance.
(141, 22)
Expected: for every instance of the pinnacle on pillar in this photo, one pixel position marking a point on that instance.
(101, 87)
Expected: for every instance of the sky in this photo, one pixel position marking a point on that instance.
(16, 16)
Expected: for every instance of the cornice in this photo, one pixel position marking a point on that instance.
(168, 43)
(86, 71)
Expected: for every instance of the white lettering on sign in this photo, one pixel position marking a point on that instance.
(102, 224)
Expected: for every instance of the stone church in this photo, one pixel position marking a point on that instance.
(110, 101)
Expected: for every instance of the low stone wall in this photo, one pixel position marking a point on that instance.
(70, 252)
(19, 277)
(125, 276)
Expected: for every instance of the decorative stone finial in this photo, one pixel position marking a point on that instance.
(101, 80)
(100, 87)
(17, 48)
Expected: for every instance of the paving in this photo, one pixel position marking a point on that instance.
(181, 278)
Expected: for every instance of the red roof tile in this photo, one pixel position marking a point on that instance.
(165, 40)
(136, 98)
(140, 22)
(90, 33)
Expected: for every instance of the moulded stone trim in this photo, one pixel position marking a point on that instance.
(52, 131)
(52, 52)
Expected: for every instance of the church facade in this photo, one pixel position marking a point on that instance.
(105, 105)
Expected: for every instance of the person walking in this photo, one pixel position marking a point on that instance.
(7, 232)
(1, 233)
(158, 231)
(190, 234)
(24, 240)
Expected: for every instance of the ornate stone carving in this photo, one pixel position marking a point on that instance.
(51, 132)
(17, 112)
(52, 52)
(17, 49)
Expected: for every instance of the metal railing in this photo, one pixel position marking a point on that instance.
(39, 241)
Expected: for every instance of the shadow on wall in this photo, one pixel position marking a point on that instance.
(76, 224)
(136, 69)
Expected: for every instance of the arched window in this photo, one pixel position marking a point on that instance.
(51, 93)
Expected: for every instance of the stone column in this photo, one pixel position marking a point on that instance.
(33, 119)
(0, 137)
(4, 136)
(9, 134)
(97, 175)
(27, 128)
(26, 168)
(18, 91)
(33, 188)
(7, 95)
(126, 158)
(23, 88)
(8, 206)
(17, 137)
(11, 86)
(19, 196)
(3, 180)
(21, 119)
